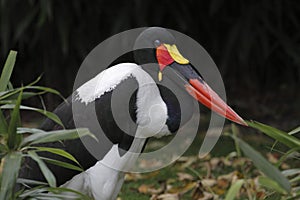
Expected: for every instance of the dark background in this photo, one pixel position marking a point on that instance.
(255, 44)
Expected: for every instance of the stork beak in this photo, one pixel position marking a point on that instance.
(194, 84)
(201, 91)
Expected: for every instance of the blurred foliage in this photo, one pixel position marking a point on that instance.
(18, 143)
(255, 43)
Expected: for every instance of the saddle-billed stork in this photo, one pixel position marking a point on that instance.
(153, 108)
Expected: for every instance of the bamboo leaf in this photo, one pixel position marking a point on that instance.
(291, 172)
(54, 136)
(294, 131)
(22, 130)
(48, 114)
(25, 181)
(13, 140)
(7, 70)
(234, 189)
(263, 165)
(3, 124)
(46, 89)
(63, 164)
(279, 135)
(68, 190)
(12, 164)
(271, 184)
(59, 152)
(45, 170)
(286, 155)
(48, 193)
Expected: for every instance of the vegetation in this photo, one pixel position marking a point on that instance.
(17, 142)
(255, 43)
(244, 173)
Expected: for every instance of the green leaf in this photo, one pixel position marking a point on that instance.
(294, 131)
(263, 165)
(14, 139)
(22, 130)
(10, 171)
(7, 70)
(25, 181)
(45, 170)
(26, 95)
(271, 184)
(235, 132)
(48, 114)
(48, 193)
(46, 89)
(59, 152)
(33, 192)
(274, 196)
(3, 124)
(286, 155)
(63, 164)
(54, 136)
(234, 189)
(291, 172)
(3, 150)
(295, 180)
(70, 191)
(279, 135)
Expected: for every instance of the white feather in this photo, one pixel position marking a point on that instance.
(106, 81)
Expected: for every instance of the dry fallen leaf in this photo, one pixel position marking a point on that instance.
(273, 158)
(138, 176)
(166, 196)
(187, 161)
(184, 176)
(208, 196)
(198, 191)
(150, 189)
(208, 182)
(182, 189)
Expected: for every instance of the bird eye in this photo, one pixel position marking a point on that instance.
(157, 43)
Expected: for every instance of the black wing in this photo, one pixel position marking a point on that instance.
(111, 134)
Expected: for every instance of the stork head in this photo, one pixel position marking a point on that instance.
(159, 45)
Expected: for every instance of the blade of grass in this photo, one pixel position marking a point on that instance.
(7, 70)
(45, 170)
(263, 165)
(10, 171)
(48, 114)
(13, 140)
(59, 152)
(291, 172)
(64, 190)
(54, 136)
(236, 144)
(294, 131)
(22, 130)
(234, 189)
(271, 184)
(25, 181)
(63, 164)
(286, 155)
(3, 124)
(279, 135)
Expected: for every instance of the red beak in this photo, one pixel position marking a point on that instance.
(168, 55)
(205, 95)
